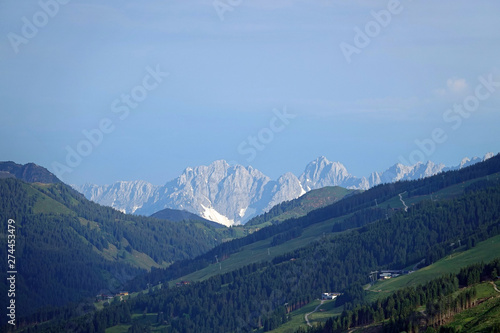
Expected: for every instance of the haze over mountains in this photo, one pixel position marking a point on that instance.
(233, 194)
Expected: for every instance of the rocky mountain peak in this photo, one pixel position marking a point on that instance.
(321, 171)
(233, 194)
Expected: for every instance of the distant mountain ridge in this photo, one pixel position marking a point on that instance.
(30, 173)
(217, 192)
(233, 194)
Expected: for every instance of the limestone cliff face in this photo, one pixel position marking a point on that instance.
(218, 192)
(233, 194)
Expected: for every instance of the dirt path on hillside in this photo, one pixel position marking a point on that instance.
(401, 198)
(418, 263)
(307, 314)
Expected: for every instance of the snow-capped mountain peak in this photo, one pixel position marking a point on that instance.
(233, 194)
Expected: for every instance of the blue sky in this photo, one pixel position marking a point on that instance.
(162, 85)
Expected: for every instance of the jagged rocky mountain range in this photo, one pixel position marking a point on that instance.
(233, 194)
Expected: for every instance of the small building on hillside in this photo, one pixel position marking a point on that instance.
(385, 276)
(329, 296)
(182, 283)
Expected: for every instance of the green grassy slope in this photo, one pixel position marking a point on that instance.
(48, 199)
(445, 193)
(483, 251)
(262, 250)
(482, 318)
(301, 206)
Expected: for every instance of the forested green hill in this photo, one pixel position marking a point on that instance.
(68, 248)
(301, 206)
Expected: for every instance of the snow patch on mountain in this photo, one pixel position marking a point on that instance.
(211, 214)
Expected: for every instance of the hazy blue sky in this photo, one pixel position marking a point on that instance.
(268, 83)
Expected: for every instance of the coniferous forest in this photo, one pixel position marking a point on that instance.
(77, 248)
